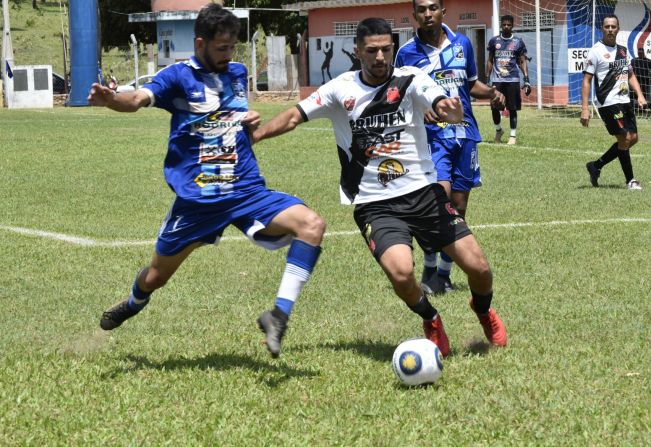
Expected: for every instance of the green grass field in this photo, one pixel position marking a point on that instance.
(82, 199)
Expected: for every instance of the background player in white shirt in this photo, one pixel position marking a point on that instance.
(609, 65)
(388, 173)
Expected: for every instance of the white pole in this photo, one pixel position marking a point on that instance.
(7, 56)
(538, 58)
(496, 19)
(134, 41)
(254, 65)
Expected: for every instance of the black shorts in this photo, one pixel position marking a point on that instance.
(425, 214)
(511, 91)
(619, 118)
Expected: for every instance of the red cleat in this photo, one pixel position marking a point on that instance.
(434, 332)
(494, 329)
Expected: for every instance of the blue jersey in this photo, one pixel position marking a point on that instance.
(506, 54)
(453, 68)
(209, 152)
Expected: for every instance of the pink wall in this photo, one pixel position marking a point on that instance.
(459, 12)
(179, 5)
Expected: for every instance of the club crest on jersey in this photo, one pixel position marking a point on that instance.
(393, 95)
(622, 52)
(498, 46)
(349, 103)
(450, 209)
(390, 170)
(607, 56)
(238, 89)
(458, 50)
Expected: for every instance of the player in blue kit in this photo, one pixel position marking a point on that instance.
(449, 60)
(213, 171)
(506, 53)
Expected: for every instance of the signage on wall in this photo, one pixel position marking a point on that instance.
(467, 16)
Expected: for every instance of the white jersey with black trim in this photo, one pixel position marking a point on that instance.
(610, 67)
(379, 131)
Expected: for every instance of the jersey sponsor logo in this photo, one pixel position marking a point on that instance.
(204, 179)
(393, 95)
(447, 77)
(379, 145)
(349, 103)
(391, 119)
(216, 154)
(316, 98)
(443, 124)
(619, 63)
(220, 122)
(390, 170)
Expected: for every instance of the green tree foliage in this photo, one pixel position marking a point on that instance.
(278, 23)
(114, 22)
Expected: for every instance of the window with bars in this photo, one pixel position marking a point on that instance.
(547, 18)
(350, 28)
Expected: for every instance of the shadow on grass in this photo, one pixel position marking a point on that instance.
(379, 351)
(611, 186)
(216, 362)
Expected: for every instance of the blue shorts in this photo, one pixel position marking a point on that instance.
(457, 161)
(250, 211)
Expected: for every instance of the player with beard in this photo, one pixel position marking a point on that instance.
(609, 65)
(449, 59)
(388, 174)
(213, 172)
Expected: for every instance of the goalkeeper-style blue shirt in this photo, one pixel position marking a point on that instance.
(453, 68)
(209, 152)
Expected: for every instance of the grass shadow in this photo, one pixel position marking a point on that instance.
(216, 362)
(378, 351)
(610, 186)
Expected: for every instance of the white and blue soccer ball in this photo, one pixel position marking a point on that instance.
(417, 362)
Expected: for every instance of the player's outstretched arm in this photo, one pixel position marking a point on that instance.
(280, 124)
(449, 110)
(102, 96)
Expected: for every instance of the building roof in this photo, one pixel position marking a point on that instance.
(306, 6)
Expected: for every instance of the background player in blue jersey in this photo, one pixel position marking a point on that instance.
(506, 53)
(211, 168)
(449, 60)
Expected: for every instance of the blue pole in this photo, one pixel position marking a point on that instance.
(83, 49)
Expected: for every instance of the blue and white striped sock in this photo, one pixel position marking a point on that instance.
(138, 298)
(445, 265)
(301, 259)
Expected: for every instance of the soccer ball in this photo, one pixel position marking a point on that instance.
(417, 361)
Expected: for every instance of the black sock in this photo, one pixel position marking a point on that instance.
(513, 119)
(424, 308)
(496, 116)
(625, 161)
(607, 157)
(481, 303)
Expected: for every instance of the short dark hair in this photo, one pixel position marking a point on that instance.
(610, 16)
(372, 27)
(507, 18)
(413, 2)
(213, 20)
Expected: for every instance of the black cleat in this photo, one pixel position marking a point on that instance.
(430, 281)
(445, 284)
(274, 327)
(116, 315)
(594, 173)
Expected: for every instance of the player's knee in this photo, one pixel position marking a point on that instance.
(401, 275)
(313, 228)
(482, 270)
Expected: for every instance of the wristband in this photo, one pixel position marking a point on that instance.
(526, 79)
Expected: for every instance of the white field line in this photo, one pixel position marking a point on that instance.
(486, 145)
(88, 242)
